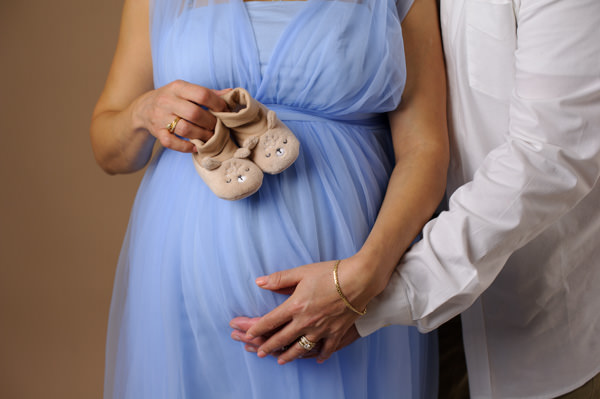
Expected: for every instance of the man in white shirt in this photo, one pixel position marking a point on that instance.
(522, 234)
(518, 251)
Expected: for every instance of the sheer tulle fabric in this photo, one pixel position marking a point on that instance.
(189, 259)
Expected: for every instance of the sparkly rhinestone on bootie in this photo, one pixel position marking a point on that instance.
(250, 121)
(223, 167)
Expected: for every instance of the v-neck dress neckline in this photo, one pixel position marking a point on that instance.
(282, 42)
(268, 22)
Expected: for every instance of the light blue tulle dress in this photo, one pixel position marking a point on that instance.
(330, 69)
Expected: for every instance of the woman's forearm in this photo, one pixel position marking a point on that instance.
(120, 144)
(420, 138)
(415, 190)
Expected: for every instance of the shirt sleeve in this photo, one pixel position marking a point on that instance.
(548, 162)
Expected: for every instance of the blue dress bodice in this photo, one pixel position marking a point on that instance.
(355, 48)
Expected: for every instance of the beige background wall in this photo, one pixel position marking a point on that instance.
(61, 218)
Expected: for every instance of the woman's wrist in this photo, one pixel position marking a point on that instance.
(127, 147)
(136, 111)
(139, 139)
(361, 279)
(379, 264)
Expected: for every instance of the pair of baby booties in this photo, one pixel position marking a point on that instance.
(266, 145)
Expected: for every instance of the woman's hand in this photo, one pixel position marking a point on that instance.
(314, 310)
(131, 114)
(243, 324)
(154, 110)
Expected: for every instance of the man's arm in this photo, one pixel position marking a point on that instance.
(549, 161)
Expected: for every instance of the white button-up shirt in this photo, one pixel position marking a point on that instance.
(519, 249)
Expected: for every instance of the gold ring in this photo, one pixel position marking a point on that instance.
(171, 126)
(306, 343)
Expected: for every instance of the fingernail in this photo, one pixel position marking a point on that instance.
(281, 361)
(234, 326)
(249, 336)
(235, 337)
(262, 354)
(262, 281)
(251, 349)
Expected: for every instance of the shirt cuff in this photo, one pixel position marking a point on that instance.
(389, 307)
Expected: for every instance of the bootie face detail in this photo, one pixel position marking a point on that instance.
(237, 171)
(224, 168)
(277, 148)
(252, 122)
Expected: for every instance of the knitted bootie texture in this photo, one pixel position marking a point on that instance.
(249, 120)
(223, 165)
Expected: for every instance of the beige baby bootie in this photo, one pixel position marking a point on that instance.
(223, 167)
(276, 146)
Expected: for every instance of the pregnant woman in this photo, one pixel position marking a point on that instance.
(360, 83)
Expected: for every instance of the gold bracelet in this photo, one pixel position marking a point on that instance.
(341, 294)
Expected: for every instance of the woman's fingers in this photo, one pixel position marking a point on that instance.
(189, 130)
(187, 102)
(173, 142)
(304, 346)
(194, 121)
(240, 326)
(270, 322)
(280, 280)
(284, 337)
(243, 323)
(329, 336)
(194, 113)
(287, 351)
(199, 95)
(222, 92)
(253, 343)
(291, 350)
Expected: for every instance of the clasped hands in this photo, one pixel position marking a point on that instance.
(314, 310)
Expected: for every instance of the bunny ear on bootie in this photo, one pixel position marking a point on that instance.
(209, 163)
(223, 166)
(250, 121)
(242, 153)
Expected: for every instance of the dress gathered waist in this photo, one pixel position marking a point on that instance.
(374, 121)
